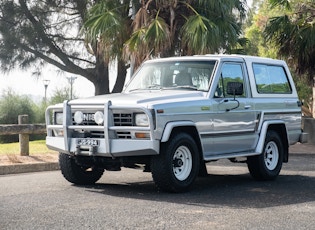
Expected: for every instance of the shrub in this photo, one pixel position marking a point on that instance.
(60, 95)
(12, 105)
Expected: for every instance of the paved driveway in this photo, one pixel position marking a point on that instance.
(227, 198)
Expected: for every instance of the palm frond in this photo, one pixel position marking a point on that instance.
(283, 3)
(135, 47)
(152, 39)
(294, 34)
(158, 35)
(106, 23)
(199, 34)
(105, 29)
(136, 40)
(223, 8)
(141, 19)
(279, 28)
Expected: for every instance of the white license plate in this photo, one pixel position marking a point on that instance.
(88, 142)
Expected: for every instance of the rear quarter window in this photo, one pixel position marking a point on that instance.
(271, 79)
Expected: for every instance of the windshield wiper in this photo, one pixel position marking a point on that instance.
(131, 90)
(154, 86)
(186, 87)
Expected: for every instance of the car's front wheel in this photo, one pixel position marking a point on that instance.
(268, 164)
(77, 174)
(177, 166)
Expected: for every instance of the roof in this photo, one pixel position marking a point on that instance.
(227, 57)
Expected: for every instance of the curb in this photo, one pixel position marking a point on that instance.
(27, 168)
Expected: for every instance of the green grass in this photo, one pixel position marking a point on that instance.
(36, 147)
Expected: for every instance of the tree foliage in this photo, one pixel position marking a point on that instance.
(83, 37)
(254, 30)
(162, 28)
(271, 32)
(60, 95)
(293, 31)
(35, 32)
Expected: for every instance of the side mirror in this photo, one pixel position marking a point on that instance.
(235, 88)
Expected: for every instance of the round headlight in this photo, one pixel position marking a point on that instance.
(78, 117)
(142, 119)
(99, 117)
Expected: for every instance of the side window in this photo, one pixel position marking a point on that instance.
(231, 72)
(271, 79)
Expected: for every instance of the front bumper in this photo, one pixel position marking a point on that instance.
(116, 148)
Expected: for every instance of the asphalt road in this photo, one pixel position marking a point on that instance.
(228, 198)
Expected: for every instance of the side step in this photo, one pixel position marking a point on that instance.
(230, 155)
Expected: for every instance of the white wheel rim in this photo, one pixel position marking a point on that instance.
(271, 155)
(182, 163)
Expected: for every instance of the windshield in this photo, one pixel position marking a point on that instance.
(190, 75)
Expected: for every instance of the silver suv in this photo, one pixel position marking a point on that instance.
(175, 115)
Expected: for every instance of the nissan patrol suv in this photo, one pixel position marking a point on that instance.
(175, 115)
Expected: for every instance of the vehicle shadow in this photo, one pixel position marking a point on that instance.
(234, 191)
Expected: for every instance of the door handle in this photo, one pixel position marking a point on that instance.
(247, 106)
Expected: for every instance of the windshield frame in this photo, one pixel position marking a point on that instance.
(158, 71)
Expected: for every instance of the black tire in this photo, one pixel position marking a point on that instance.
(268, 164)
(177, 166)
(77, 174)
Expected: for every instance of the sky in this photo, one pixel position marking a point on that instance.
(23, 83)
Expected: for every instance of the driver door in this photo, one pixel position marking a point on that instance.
(233, 115)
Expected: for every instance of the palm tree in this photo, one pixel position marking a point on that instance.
(106, 29)
(166, 28)
(294, 33)
(162, 28)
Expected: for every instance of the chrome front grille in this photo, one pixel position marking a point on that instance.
(123, 119)
(120, 119)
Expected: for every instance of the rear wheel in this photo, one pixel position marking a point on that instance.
(267, 165)
(77, 174)
(177, 166)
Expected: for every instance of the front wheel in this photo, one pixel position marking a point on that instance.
(267, 165)
(77, 174)
(177, 166)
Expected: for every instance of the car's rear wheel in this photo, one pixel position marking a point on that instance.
(268, 164)
(77, 174)
(177, 166)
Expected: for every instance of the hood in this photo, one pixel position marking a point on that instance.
(144, 98)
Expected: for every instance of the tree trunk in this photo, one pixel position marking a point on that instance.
(101, 82)
(121, 77)
(313, 101)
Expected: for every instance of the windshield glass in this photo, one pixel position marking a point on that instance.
(190, 75)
